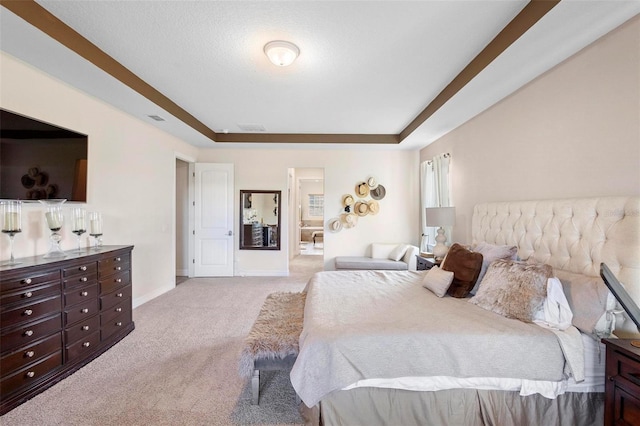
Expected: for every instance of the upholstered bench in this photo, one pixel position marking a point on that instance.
(272, 343)
(382, 257)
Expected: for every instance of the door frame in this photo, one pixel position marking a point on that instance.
(190, 213)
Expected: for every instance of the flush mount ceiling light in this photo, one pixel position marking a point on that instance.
(281, 53)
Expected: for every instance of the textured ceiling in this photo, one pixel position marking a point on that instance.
(366, 67)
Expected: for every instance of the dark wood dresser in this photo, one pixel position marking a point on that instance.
(622, 387)
(58, 315)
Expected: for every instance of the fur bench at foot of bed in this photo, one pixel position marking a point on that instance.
(272, 343)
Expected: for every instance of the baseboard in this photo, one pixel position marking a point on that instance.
(150, 296)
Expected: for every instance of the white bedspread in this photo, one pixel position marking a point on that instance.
(383, 325)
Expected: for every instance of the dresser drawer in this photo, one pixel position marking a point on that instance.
(30, 279)
(82, 329)
(80, 269)
(31, 311)
(31, 374)
(629, 369)
(80, 312)
(114, 298)
(110, 284)
(79, 280)
(80, 294)
(114, 264)
(83, 347)
(33, 353)
(115, 311)
(113, 325)
(30, 332)
(30, 293)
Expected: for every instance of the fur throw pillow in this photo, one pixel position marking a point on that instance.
(513, 289)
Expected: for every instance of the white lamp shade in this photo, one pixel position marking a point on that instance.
(281, 53)
(441, 216)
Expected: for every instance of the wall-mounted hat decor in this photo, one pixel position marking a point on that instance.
(353, 209)
(361, 208)
(374, 207)
(372, 182)
(362, 190)
(335, 225)
(378, 192)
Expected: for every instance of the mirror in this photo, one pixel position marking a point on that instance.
(260, 220)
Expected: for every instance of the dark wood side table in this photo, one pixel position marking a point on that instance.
(622, 386)
(425, 263)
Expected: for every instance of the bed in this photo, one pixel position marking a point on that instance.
(377, 347)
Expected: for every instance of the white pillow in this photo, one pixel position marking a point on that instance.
(555, 312)
(398, 252)
(438, 281)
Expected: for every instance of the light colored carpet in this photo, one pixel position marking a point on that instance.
(180, 365)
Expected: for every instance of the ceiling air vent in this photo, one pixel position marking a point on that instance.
(252, 127)
(156, 117)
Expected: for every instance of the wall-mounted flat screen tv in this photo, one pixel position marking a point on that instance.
(41, 161)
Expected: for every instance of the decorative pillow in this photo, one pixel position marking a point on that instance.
(397, 253)
(589, 299)
(438, 281)
(491, 252)
(465, 266)
(513, 289)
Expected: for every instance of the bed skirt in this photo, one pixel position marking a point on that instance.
(377, 406)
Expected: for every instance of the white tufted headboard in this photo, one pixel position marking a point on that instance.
(575, 235)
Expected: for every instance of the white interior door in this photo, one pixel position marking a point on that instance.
(213, 220)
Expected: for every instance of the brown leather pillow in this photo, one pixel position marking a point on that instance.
(466, 266)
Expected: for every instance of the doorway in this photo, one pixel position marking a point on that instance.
(310, 211)
(182, 220)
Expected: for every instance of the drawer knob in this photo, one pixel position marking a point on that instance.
(118, 294)
(30, 374)
(118, 259)
(28, 294)
(86, 344)
(26, 281)
(28, 333)
(84, 293)
(118, 309)
(83, 279)
(118, 280)
(85, 327)
(29, 354)
(84, 310)
(119, 324)
(83, 268)
(118, 268)
(28, 312)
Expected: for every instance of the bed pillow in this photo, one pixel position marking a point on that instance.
(513, 289)
(491, 252)
(589, 299)
(398, 252)
(465, 266)
(438, 281)
(555, 312)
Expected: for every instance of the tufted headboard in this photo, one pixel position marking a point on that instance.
(575, 235)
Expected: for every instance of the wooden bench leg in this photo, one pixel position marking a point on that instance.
(255, 387)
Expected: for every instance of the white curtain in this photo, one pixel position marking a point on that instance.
(434, 178)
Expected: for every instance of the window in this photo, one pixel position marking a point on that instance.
(316, 204)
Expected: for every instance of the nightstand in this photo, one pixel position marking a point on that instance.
(622, 387)
(425, 263)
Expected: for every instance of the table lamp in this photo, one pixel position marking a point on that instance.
(440, 216)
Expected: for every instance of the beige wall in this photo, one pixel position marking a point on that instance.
(131, 176)
(573, 132)
(268, 169)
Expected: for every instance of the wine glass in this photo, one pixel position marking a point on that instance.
(78, 223)
(95, 228)
(54, 218)
(11, 224)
